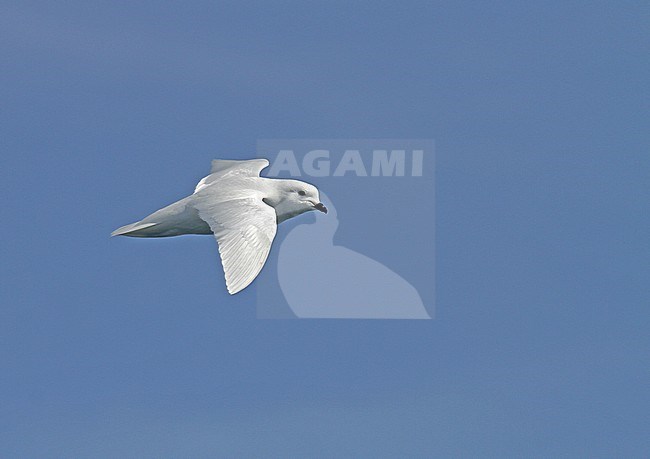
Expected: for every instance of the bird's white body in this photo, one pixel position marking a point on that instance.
(240, 208)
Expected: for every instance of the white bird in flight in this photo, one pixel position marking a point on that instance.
(240, 208)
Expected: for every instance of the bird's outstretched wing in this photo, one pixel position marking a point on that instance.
(222, 168)
(251, 167)
(244, 227)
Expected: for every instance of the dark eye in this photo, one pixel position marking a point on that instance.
(301, 193)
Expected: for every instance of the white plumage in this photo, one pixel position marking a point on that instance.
(240, 208)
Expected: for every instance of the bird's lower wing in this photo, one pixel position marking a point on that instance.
(244, 228)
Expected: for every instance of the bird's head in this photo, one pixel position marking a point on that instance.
(296, 198)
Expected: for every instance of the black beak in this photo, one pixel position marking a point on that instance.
(321, 207)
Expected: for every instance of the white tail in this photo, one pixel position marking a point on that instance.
(133, 227)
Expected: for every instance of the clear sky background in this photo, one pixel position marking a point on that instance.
(114, 347)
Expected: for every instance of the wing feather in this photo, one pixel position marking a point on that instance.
(223, 168)
(244, 228)
(251, 167)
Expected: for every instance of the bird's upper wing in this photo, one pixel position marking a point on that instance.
(222, 168)
(244, 227)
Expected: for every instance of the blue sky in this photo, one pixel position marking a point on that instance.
(113, 347)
